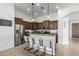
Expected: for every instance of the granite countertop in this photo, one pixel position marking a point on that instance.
(54, 34)
(45, 34)
(51, 34)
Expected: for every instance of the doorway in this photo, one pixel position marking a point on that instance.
(75, 32)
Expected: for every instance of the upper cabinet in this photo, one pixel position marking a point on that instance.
(37, 26)
(18, 21)
(34, 25)
(53, 25)
(27, 25)
(40, 25)
(46, 24)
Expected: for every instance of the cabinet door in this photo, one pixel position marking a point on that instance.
(53, 24)
(35, 26)
(18, 21)
(40, 26)
(30, 26)
(25, 25)
(46, 24)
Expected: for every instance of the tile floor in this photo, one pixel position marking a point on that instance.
(61, 50)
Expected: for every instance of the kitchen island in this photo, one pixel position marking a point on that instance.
(43, 42)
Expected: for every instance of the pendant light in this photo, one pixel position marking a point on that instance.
(32, 12)
(48, 16)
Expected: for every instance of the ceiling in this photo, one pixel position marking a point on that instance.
(39, 10)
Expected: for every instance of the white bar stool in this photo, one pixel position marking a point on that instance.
(40, 48)
(30, 43)
(35, 46)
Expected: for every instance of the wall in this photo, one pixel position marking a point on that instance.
(6, 32)
(63, 33)
(22, 15)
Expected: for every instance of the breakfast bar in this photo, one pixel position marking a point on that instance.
(43, 42)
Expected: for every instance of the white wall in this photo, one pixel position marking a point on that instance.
(65, 30)
(7, 32)
(63, 33)
(22, 15)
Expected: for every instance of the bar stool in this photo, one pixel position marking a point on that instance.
(35, 46)
(30, 43)
(27, 42)
(49, 48)
(41, 48)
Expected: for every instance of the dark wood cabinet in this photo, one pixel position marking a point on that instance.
(40, 25)
(27, 25)
(18, 21)
(34, 25)
(37, 26)
(46, 24)
(53, 25)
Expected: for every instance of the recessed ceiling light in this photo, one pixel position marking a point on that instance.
(28, 9)
(45, 11)
(57, 7)
(32, 19)
(35, 13)
(38, 4)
